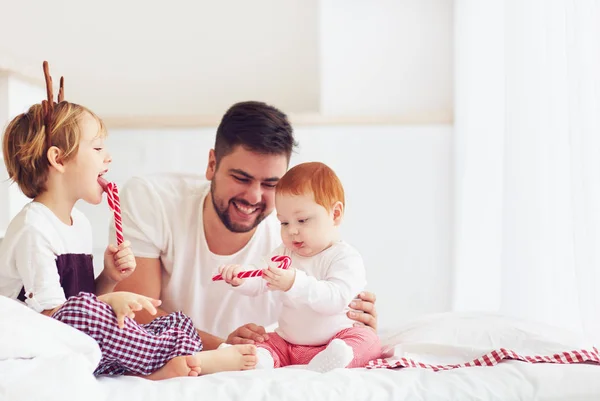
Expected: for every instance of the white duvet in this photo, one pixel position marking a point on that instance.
(42, 359)
(40, 355)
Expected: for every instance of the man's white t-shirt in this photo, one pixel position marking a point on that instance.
(162, 217)
(314, 308)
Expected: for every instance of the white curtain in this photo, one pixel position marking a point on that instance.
(527, 160)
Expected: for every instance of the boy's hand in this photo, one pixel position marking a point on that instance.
(229, 274)
(119, 262)
(125, 304)
(279, 279)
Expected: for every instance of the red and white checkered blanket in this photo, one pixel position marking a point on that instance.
(493, 358)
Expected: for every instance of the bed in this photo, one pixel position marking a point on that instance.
(42, 359)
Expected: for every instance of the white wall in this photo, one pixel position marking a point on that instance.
(4, 193)
(478, 154)
(191, 58)
(181, 57)
(397, 180)
(386, 57)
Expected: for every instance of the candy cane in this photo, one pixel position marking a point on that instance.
(112, 195)
(284, 263)
(115, 204)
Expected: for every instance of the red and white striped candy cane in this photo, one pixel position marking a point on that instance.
(112, 195)
(284, 263)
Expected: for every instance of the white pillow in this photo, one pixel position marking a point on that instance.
(455, 338)
(26, 334)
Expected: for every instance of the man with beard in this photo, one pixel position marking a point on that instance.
(182, 228)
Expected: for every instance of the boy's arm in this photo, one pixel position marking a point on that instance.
(146, 280)
(104, 285)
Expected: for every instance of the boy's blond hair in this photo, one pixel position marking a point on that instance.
(27, 139)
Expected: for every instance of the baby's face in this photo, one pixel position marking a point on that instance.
(307, 228)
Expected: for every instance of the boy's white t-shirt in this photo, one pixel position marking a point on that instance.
(162, 217)
(34, 240)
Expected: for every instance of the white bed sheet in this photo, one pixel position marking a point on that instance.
(43, 359)
(510, 380)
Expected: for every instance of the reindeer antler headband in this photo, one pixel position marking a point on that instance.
(48, 105)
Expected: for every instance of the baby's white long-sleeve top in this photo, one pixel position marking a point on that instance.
(314, 308)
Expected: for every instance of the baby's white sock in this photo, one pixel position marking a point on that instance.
(264, 359)
(338, 354)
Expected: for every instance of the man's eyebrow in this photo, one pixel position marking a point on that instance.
(241, 172)
(246, 175)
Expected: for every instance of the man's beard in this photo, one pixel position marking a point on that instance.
(222, 210)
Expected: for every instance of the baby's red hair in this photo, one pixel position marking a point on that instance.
(316, 178)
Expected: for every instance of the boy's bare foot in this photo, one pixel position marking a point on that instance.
(235, 357)
(186, 365)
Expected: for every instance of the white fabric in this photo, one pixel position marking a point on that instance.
(527, 157)
(162, 217)
(34, 239)
(264, 359)
(507, 381)
(42, 358)
(337, 355)
(25, 333)
(455, 338)
(63, 360)
(314, 309)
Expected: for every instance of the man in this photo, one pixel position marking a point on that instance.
(182, 228)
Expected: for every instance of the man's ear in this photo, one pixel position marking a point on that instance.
(211, 168)
(338, 213)
(55, 158)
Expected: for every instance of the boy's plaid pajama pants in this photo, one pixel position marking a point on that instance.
(138, 349)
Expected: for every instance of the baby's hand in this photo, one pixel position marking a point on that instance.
(119, 262)
(229, 274)
(125, 304)
(279, 279)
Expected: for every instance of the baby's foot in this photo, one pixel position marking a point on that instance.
(264, 359)
(185, 365)
(338, 354)
(236, 357)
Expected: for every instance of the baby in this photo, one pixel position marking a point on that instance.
(324, 275)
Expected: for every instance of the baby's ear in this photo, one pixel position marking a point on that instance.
(338, 212)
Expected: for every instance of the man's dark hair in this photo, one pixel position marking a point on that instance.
(256, 126)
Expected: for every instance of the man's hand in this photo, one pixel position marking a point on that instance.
(125, 304)
(119, 262)
(279, 279)
(248, 334)
(364, 312)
